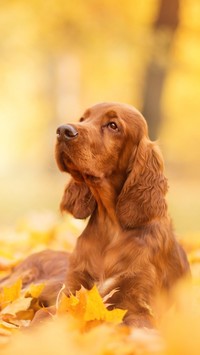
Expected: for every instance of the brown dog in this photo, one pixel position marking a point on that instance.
(128, 243)
(118, 180)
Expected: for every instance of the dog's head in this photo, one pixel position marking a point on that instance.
(111, 142)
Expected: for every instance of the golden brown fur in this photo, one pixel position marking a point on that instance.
(128, 244)
(117, 178)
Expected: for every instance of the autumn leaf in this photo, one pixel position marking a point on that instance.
(20, 304)
(17, 313)
(10, 294)
(35, 290)
(88, 306)
(12, 322)
(19, 307)
(74, 305)
(96, 309)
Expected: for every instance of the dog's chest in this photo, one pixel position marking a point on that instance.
(107, 252)
(110, 260)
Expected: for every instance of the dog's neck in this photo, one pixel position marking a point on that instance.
(106, 192)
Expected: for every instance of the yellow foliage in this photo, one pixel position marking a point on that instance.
(96, 310)
(20, 304)
(10, 294)
(18, 307)
(87, 306)
(35, 290)
(81, 323)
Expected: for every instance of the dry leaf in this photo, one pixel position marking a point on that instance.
(35, 290)
(21, 304)
(88, 306)
(10, 294)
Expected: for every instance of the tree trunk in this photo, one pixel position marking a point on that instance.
(164, 28)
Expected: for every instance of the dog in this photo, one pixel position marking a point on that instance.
(128, 248)
(117, 180)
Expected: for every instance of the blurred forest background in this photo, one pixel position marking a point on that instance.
(59, 57)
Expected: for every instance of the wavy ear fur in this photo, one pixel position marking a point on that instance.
(78, 200)
(142, 196)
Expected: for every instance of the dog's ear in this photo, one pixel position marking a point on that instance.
(78, 200)
(142, 196)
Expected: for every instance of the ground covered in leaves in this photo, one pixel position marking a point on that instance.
(82, 324)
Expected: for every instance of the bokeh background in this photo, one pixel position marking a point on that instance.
(59, 57)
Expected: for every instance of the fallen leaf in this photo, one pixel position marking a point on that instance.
(96, 309)
(21, 304)
(10, 294)
(35, 290)
(88, 306)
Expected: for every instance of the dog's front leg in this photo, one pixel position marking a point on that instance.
(77, 279)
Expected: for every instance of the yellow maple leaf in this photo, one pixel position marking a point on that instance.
(10, 294)
(35, 290)
(74, 305)
(115, 315)
(88, 306)
(96, 309)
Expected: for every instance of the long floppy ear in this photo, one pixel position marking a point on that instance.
(142, 196)
(78, 200)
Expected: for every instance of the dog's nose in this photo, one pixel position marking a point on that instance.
(66, 132)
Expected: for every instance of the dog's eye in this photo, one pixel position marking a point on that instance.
(113, 126)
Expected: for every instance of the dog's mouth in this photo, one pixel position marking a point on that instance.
(63, 159)
(66, 164)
